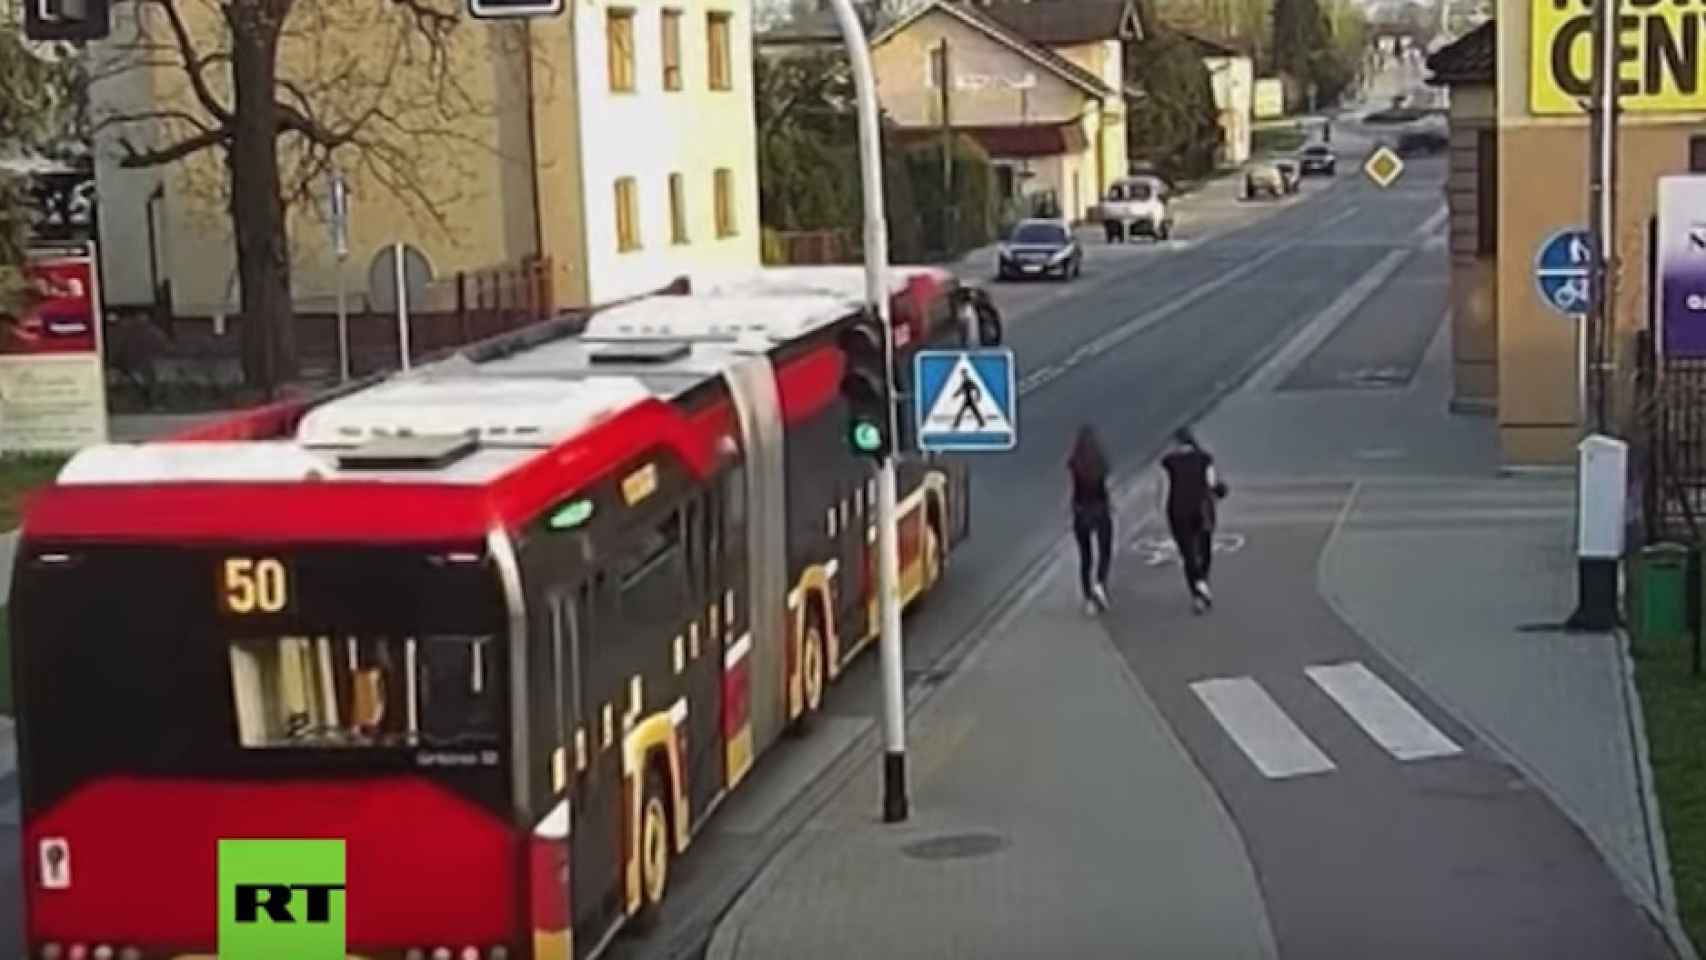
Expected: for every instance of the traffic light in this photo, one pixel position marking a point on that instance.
(66, 20)
(865, 387)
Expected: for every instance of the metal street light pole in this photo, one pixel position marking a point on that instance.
(876, 290)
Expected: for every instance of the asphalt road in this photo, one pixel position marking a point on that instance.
(1146, 340)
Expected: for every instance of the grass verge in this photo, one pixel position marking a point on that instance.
(1674, 703)
(18, 476)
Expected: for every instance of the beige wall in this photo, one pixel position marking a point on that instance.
(1543, 181)
(985, 73)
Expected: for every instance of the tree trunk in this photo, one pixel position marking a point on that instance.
(257, 204)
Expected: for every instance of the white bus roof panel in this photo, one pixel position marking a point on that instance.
(519, 411)
(769, 318)
(839, 281)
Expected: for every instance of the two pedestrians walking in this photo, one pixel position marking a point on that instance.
(1192, 489)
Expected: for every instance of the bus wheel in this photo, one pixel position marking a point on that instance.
(812, 669)
(654, 851)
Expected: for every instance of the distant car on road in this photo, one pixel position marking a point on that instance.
(1263, 177)
(1137, 206)
(1039, 248)
(1422, 143)
(1318, 158)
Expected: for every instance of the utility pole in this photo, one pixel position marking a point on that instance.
(895, 802)
(1602, 214)
(949, 243)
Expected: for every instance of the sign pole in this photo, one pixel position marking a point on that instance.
(402, 304)
(340, 247)
(895, 801)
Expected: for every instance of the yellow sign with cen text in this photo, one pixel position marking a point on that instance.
(1661, 59)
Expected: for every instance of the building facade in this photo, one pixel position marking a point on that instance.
(1039, 85)
(1233, 77)
(617, 141)
(1539, 150)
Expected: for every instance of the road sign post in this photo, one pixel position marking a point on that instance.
(340, 247)
(966, 401)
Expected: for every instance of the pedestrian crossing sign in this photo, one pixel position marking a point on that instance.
(966, 400)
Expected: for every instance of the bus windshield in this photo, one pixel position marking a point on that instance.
(365, 691)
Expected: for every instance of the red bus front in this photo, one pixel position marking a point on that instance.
(171, 696)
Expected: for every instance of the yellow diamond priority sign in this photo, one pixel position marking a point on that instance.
(1383, 167)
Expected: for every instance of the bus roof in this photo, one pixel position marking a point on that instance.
(595, 397)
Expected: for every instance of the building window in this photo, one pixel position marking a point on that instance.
(935, 66)
(724, 180)
(1487, 193)
(672, 49)
(619, 48)
(677, 209)
(1697, 154)
(627, 215)
(717, 51)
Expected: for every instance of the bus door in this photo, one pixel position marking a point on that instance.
(702, 659)
(595, 841)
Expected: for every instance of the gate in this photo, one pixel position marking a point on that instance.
(1672, 414)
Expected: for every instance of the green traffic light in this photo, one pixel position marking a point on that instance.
(867, 437)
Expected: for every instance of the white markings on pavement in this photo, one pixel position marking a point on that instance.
(1432, 224)
(1325, 323)
(1041, 376)
(1260, 728)
(1384, 715)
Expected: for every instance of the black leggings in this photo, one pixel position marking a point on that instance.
(1088, 522)
(1196, 548)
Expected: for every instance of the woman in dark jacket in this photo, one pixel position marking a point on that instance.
(1092, 516)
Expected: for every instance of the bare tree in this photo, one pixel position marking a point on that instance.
(278, 89)
(37, 113)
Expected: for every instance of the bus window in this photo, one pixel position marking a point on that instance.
(653, 576)
(365, 691)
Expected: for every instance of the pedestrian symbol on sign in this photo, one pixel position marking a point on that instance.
(966, 400)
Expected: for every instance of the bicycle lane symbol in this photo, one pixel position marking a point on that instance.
(1156, 551)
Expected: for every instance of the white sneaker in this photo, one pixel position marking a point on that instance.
(1090, 608)
(1198, 605)
(1101, 594)
(1204, 592)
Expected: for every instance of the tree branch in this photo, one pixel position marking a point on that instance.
(134, 158)
(194, 63)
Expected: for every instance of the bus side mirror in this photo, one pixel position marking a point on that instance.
(981, 321)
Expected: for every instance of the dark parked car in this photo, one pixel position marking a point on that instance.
(1318, 158)
(1422, 143)
(1040, 248)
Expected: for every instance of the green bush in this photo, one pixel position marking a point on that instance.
(1175, 127)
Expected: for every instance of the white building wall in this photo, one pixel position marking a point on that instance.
(1234, 81)
(652, 132)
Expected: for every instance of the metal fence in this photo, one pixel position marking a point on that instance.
(1671, 445)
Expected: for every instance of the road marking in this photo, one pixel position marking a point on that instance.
(1041, 376)
(1433, 224)
(1325, 323)
(1384, 715)
(1260, 728)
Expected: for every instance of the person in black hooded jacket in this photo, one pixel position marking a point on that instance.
(1092, 517)
(1192, 489)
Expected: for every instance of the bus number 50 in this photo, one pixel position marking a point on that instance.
(254, 585)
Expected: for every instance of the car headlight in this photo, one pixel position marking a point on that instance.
(1060, 255)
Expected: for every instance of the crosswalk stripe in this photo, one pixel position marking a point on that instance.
(1260, 728)
(1384, 715)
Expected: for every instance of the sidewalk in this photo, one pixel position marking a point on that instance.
(1437, 562)
(1040, 775)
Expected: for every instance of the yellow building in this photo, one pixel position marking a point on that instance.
(617, 140)
(1528, 131)
(1040, 85)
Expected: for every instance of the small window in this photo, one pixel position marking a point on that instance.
(1487, 194)
(717, 62)
(723, 180)
(734, 503)
(1697, 154)
(937, 66)
(619, 47)
(672, 49)
(677, 208)
(627, 215)
(653, 575)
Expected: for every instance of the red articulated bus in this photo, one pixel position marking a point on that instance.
(510, 625)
